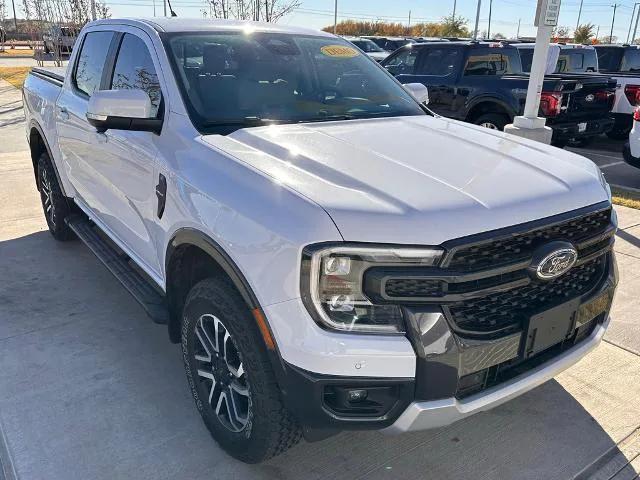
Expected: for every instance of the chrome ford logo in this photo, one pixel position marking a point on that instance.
(553, 260)
(590, 98)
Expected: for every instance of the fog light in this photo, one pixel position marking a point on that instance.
(341, 303)
(355, 396)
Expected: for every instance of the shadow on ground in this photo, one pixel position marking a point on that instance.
(90, 388)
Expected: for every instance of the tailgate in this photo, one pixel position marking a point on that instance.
(588, 100)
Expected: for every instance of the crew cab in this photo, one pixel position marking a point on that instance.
(483, 83)
(329, 253)
(622, 62)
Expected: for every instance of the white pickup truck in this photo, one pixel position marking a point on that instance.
(330, 254)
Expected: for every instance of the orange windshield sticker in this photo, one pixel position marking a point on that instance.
(339, 51)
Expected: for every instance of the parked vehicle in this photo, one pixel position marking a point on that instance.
(368, 47)
(622, 62)
(429, 39)
(631, 151)
(563, 58)
(390, 44)
(483, 83)
(59, 39)
(330, 254)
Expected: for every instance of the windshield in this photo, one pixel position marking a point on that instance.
(367, 45)
(235, 80)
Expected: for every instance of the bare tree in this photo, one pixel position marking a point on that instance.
(266, 10)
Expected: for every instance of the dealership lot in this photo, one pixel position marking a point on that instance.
(90, 388)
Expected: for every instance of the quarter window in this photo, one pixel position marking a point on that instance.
(488, 62)
(134, 69)
(88, 74)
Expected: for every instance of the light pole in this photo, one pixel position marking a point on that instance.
(475, 30)
(635, 29)
(613, 21)
(489, 26)
(454, 9)
(579, 15)
(335, 17)
(518, 32)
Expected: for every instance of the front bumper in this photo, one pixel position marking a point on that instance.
(569, 131)
(438, 413)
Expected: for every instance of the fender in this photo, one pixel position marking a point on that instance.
(191, 236)
(34, 124)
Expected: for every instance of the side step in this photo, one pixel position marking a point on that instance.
(150, 299)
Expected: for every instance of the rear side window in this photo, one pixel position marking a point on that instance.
(439, 62)
(631, 61)
(488, 62)
(91, 60)
(609, 58)
(134, 69)
(403, 63)
(577, 61)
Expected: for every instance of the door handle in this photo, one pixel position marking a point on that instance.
(63, 113)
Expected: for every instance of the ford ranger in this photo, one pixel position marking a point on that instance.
(329, 253)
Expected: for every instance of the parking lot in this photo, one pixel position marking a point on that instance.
(90, 388)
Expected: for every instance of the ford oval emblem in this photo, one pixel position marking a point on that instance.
(590, 98)
(555, 263)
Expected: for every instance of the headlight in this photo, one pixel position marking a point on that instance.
(332, 279)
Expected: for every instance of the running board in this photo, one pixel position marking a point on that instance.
(150, 299)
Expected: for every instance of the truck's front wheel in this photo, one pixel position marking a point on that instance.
(230, 375)
(54, 203)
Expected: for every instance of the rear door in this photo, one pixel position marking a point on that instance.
(438, 68)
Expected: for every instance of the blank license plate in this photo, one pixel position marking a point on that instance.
(582, 127)
(549, 328)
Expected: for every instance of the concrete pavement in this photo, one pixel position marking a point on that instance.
(90, 388)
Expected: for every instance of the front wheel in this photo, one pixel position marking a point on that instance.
(231, 378)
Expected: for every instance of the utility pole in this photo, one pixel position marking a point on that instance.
(613, 21)
(165, 7)
(597, 32)
(409, 18)
(489, 26)
(475, 29)
(335, 18)
(518, 32)
(579, 15)
(635, 5)
(154, 8)
(453, 15)
(635, 29)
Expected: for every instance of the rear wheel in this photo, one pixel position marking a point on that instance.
(54, 204)
(492, 121)
(230, 375)
(619, 133)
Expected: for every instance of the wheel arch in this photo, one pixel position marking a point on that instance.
(38, 145)
(192, 256)
(488, 105)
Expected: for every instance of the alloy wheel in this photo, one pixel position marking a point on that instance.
(489, 125)
(47, 197)
(221, 373)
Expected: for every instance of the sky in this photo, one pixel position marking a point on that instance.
(505, 13)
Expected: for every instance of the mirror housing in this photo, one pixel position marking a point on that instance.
(122, 110)
(418, 91)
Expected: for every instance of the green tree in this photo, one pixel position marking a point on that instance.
(584, 33)
(454, 26)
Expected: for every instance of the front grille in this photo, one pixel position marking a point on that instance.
(519, 246)
(413, 287)
(509, 309)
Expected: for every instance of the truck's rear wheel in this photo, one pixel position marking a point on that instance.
(492, 121)
(619, 132)
(230, 376)
(54, 204)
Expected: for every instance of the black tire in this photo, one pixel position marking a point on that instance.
(619, 133)
(496, 120)
(54, 204)
(268, 429)
(559, 143)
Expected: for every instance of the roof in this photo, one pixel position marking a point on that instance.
(180, 24)
(563, 46)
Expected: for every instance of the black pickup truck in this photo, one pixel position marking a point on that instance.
(483, 83)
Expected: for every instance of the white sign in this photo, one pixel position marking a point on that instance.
(547, 13)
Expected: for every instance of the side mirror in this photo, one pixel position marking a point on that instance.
(418, 91)
(122, 110)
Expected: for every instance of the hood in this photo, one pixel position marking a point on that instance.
(378, 56)
(417, 180)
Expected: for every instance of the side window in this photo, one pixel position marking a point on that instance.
(91, 60)
(403, 63)
(134, 69)
(439, 62)
(631, 61)
(487, 62)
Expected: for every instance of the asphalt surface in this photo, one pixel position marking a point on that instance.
(91, 389)
(607, 154)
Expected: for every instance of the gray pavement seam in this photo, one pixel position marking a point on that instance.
(7, 468)
(628, 350)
